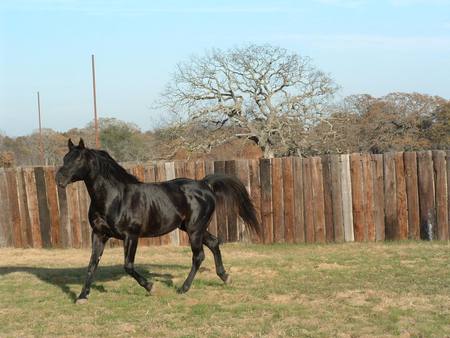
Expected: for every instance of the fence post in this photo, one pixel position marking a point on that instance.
(426, 196)
(288, 199)
(336, 197)
(359, 221)
(440, 181)
(378, 196)
(412, 193)
(347, 210)
(328, 197)
(390, 200)
(299, 214)
(318, 200)
(308, 199)
(14, 207)
(266, 200)
(277, 200)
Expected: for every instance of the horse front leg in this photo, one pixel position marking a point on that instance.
(130, 247)
(98, 245)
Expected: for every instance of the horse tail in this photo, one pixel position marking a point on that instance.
(231, 190)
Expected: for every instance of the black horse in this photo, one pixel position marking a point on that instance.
(122, 207)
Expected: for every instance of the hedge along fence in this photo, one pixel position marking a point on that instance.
(335, 198)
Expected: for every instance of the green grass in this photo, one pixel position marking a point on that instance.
(385, 289)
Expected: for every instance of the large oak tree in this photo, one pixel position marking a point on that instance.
(263, 93)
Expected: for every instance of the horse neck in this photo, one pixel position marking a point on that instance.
(100, 188)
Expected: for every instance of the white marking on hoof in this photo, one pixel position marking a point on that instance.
(81, 301)
(229, 280)
(152, 290)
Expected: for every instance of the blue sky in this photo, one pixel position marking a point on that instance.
(373, 47)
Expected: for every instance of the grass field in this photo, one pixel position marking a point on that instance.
(281, 290)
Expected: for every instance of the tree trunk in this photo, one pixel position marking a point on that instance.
(268, 152)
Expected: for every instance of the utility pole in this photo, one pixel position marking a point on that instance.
(41, 145)
(97, 139)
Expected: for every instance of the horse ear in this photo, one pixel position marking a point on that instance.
(70, 144)
(81, 144)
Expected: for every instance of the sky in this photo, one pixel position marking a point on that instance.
(373, 47)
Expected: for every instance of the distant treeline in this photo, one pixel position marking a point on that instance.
(359, 123)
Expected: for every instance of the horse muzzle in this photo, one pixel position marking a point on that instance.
(61, 180)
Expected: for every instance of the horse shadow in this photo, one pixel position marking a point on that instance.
(63, 278)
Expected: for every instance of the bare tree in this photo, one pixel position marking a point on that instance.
(269, 95)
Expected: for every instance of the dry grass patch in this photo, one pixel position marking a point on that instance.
(343, 290)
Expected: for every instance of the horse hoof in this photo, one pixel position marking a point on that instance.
(181, 290)
(228, 280)
(81, 301)
(150, 289)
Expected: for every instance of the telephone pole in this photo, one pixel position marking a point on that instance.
(97, 139)
(41, 145)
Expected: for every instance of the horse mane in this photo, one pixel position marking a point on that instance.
(109, 168)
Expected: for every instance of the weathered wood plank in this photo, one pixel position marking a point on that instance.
(209, 169)
(242, 173)
(52, 201)
(190, 169)
(440, 182)
(221, 208)
(336, 198)
(378, 196)
(180, 169)
(359, 221)
(426, 196)
(288, 198)
(44, 213)
(308, 199)
(24, 214)
(65, 230)
(412, 193)
(347, 203)
(318, 200)
(277, 200)
(255, 192)
(74, 214)
(299, 216)
(230, 169)
(402, 206)
(5, 215)
(265, 175)
(149, 173)
(33, 208)
(14, 207)
(369, 231)
(448, 188)
(390, 196)
(328, 198)
(199, 170)
(84, 200)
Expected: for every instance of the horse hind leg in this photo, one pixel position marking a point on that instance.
(213, 244)
(196, 239)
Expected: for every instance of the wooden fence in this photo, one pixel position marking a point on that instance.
(335, 198)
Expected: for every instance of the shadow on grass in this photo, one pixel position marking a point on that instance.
(63, 277)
